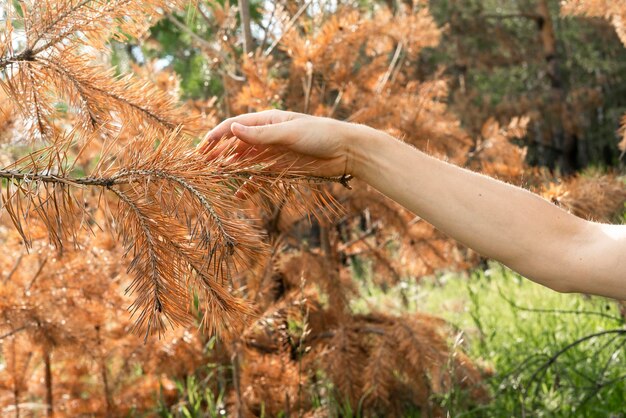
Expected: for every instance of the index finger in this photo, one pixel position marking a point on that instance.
(222, 130)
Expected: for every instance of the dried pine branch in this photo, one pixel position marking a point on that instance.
(178, 217)
(56, 62)
(51, 24)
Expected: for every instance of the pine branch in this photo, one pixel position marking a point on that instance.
(58, 20)
(153, 322)
(133, 176)
(157, 189)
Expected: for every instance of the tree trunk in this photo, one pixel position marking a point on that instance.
(562, 140)
(48, 381)
(16, 387)
(108, 397)
(236, 364)
(244, 14)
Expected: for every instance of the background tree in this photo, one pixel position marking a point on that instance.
(513, 58)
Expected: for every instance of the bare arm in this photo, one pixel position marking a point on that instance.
(500, 221)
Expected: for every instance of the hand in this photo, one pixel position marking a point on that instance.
(315, 145)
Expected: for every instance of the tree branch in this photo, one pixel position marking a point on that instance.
(128, 176)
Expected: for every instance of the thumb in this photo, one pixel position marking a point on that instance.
(262, 135)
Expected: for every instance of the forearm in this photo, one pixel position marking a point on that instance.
(500, 221)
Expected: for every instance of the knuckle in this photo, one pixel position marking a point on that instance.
(275, 115)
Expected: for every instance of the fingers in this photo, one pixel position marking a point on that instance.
(214, 149)
(223, 130)
(276, 134)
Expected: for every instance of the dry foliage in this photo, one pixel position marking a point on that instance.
(64, 320)
(118, 166)
(596, 197)
(177, 216)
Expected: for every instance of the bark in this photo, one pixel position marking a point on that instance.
(16, 388)
(244, 14)
(565, 142)
(48, 382)
(108, 396)
(236, 364)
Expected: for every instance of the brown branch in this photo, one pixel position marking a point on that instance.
(145, 228)
(37, 274)
(29, 53)
(371, 231)
(230, 241)
(60, 19)
(268, 349)
(390, 70)
(137, 107)
(126, 177)
(71, 29)
(38, 113)
(203, 13)
(13, 269)
(13, 332)
(79, 88)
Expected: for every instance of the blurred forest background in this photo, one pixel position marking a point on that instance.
(360, 311)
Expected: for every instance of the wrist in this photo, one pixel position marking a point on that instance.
(360, 144)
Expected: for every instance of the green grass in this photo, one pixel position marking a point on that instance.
(516, 327)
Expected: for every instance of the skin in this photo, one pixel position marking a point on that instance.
(500, 221)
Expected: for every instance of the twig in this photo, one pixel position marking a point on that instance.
(558, 311)
(530, 16)
(391, 68)
(270, 25)
(13, 269)
(551, 360)
(39, 270)
(371, 231)
(290, 24)
(13, 332)
(180, 25)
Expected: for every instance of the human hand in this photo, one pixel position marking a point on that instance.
(314, 145)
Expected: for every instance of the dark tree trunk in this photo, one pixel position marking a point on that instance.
(562, 140)
(48, 381)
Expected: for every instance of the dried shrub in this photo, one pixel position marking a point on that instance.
(596, 197)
